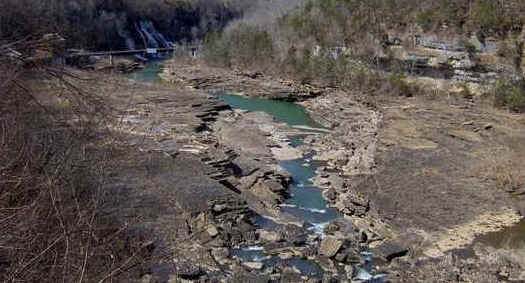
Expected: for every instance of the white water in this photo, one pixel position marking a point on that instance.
(150, 40)
(253, 248)
(318, 228)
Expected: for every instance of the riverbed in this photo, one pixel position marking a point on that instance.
(305, 201)
(420, 208)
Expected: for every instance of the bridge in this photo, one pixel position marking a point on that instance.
(74, 54)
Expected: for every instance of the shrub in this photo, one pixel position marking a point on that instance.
(487, 15)
(510, 95)
(241, 44)
(57, 220)
(470, 48)
(425, 19)
(465, 92)
(398, 86)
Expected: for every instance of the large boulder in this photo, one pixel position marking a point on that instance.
(188, 270)
(270, 236)
(254, 265)
(353, 204)
(330, 246)
(390, 250)
(220, 255)
(294, 234)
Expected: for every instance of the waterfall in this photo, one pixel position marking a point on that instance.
(150, 39)
(156, 35)
(145, 43)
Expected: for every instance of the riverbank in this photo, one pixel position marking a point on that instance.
(224, 180)
(421, 174)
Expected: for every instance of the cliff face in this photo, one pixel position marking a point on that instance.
(462, 61)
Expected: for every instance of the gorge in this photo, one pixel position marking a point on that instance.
(280, 141)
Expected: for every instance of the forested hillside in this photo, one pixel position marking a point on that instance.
(338, 41)
(96, 24)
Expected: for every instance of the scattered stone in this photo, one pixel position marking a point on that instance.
(212, 230)
(354, 204)
(468, 123)
(465, 135)
(270, 236)
(247, 277)
(175, 279)
(327, 265)
(330, 246)
(146, 278)
(289, 275)
(221, 255)
(275, 277)
(219, 207)
(349, 269)
(201, 221)
(294, 234)
(187, 270)
(487, 126)
(340, 257)
(390, 250)
(254, 265)
(330, 194)
(332, 227)
(275, 186)
(285, 256)
(309, 252)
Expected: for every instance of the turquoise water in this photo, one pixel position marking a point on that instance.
(288, 112)
(150, 73)
(306, 201)
(296, 140)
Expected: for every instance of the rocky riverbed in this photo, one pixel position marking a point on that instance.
(416, 176)
(213, 184)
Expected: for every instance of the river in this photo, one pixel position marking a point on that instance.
(306, 201)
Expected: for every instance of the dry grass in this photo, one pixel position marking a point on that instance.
(58, 222)
(506, 169)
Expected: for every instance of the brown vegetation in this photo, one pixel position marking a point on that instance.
(58, 221)
(346, 43)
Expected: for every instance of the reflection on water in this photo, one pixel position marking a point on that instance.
(509, 238)
(150, 73)
(296, 140)
(288, 112)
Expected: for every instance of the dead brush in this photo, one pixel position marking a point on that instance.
(58, 222)
(508, 177)
(505, 169)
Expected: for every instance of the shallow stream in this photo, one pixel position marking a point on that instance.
(306, 201)
(149, 74)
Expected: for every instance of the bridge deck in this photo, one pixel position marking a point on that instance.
(120, 52)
